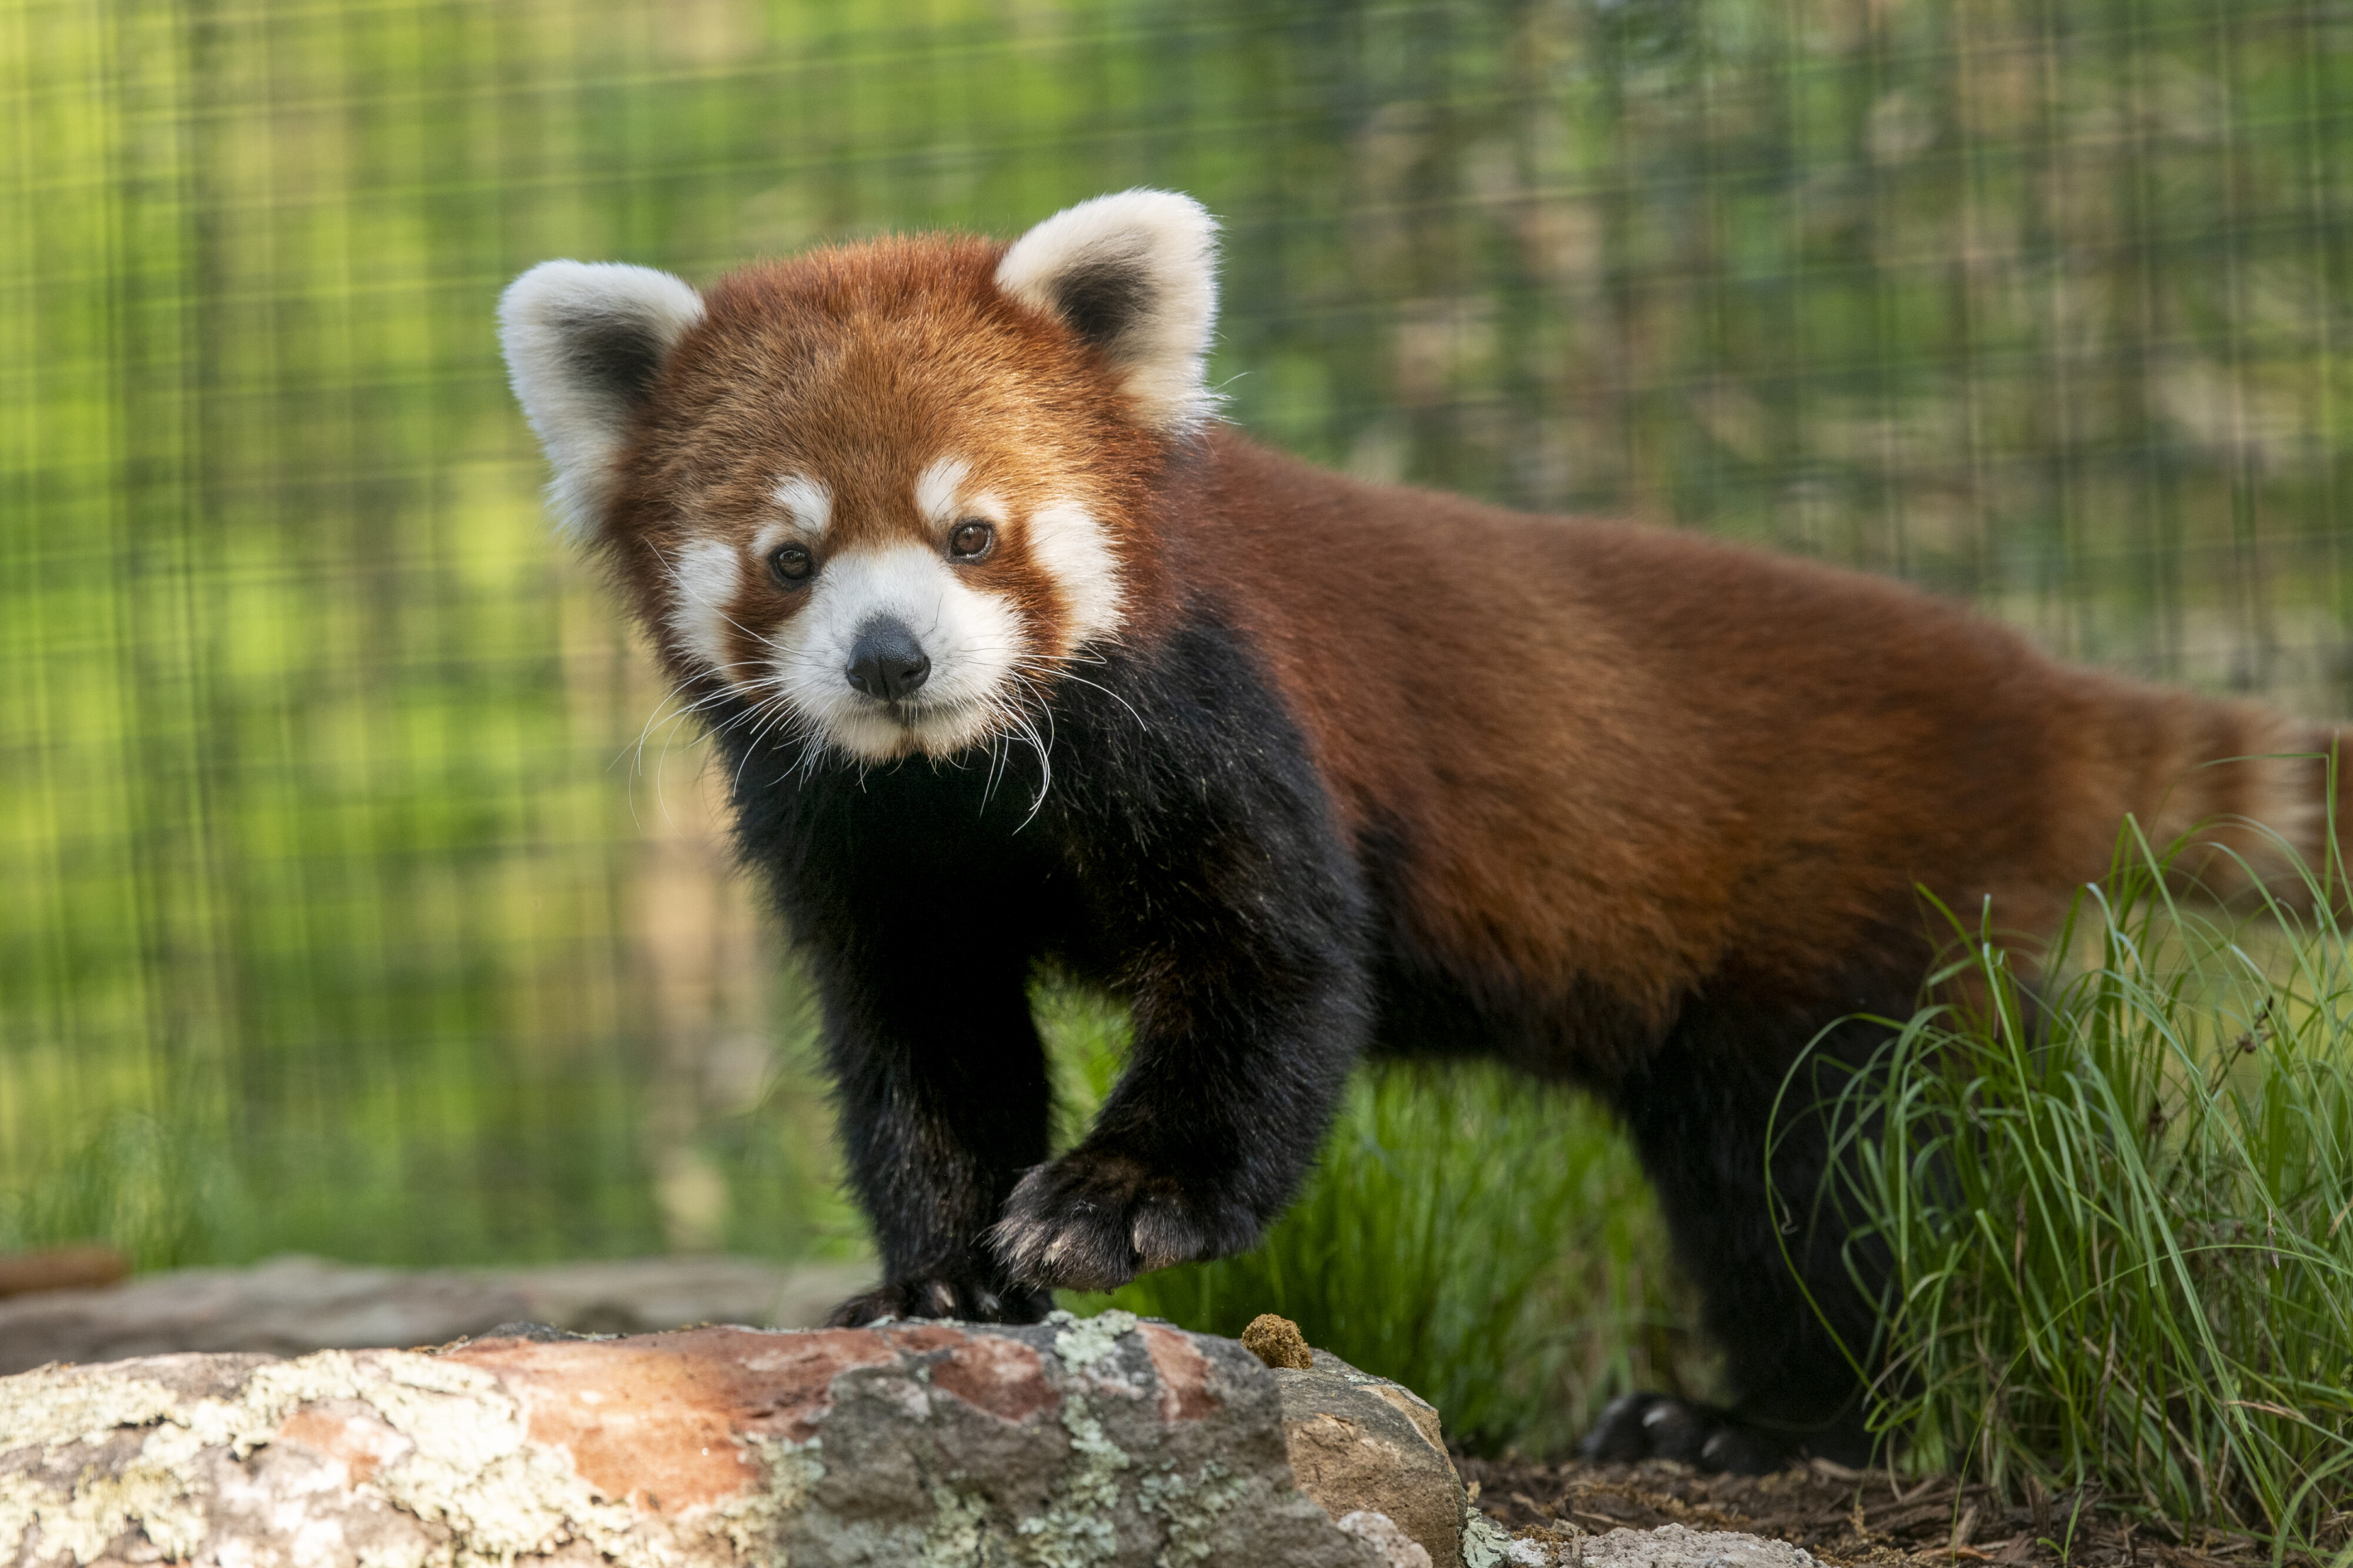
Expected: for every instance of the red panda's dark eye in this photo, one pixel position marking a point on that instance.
(971, 539)
(792, 564)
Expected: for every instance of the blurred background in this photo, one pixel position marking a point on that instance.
(356, 894)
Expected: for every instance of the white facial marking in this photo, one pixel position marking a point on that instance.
(807, 503)
(937, 490)
(972, 640)
(1072, 549)
(706, 577)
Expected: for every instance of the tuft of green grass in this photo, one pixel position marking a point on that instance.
(1488, 1242)
(2121, 1218)
(164, 1198)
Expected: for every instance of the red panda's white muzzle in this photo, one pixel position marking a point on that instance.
(846, 664)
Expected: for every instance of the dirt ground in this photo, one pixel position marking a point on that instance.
(1849, 1519)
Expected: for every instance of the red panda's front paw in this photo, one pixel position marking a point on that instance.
(960, 1298)
(1095, 1219)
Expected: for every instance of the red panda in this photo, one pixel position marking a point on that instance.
(1016, 656)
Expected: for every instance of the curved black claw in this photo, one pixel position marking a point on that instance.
(1095, 1219)
(1655, 1427)
(940, 1296)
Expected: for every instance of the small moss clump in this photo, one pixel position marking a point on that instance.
(1277, 1342)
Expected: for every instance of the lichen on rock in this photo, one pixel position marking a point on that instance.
(1080, 1527)
(1484, 1543)
(1075, 1444)
(1083, 1341)
(1193, 1509)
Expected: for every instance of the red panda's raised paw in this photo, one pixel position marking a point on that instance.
(1095, 1219)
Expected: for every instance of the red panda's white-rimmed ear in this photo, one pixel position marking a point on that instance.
(1134, 274)
(583, 341)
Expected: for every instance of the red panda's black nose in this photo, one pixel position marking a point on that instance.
(887, 661)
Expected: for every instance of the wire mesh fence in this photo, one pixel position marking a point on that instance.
(340, 907)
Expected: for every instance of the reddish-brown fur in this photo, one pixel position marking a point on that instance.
(860, 366)
(1631, 756)
(1403, 771)
(1623, 755)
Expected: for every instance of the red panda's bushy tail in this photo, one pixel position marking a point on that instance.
(2250, 804)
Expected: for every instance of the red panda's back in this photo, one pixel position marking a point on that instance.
(1631, 756)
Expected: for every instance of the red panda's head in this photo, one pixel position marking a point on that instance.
(882, 493)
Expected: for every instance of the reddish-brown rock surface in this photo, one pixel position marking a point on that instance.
(1076, 1442)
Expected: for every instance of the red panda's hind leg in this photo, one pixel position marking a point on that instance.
(1789, 1292)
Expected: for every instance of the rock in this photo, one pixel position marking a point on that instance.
(1278, 1343)
(1486, 1544)
(1098, 1441)
(293, 1305)
(1360, 1442)
(1674, 1546)
(1670, 1546)
(1379, 1531)
(639, 1295)
(284, 1307)
(83, 1265)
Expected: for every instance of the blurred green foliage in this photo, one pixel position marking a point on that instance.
(338, 907)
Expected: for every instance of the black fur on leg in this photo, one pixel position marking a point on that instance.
(1239, 1057)
(1787, 1294)
(1184, 858)
(920, 929)
(944, 1097)
(1222, 904)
